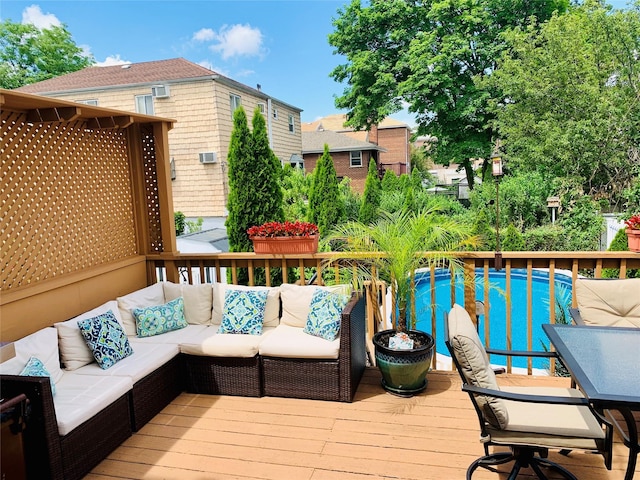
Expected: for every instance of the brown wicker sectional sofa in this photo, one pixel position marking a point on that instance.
(62, 444)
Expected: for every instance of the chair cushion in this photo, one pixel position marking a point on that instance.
(106, 339)
(605, 302)
(291, 342)
(159, 319)
(198, 300)
(325, 313)
(190, 334)
(151, 295)
(271, 310)
(475, 365)
(81, 397)
(42, 344)
(296, 301)
(74, 352)
(243, 312)
(227, 345)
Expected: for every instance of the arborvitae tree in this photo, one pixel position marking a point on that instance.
(389, 181)
(409, 200)
(240, 201)
(482, 229)
(372, 195)
(326, 207)
(416, 179)
(513, 240)
(265, 186)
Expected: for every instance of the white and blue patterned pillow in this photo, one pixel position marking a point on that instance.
(106, 339)
(35, 368)
(325, 313)
(159, 319)
(243, 311)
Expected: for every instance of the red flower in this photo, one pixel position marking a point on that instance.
(283, 229)
(634, 222)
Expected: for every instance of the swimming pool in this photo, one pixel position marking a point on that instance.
(498, 302)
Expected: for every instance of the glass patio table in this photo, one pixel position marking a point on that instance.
(605, 363)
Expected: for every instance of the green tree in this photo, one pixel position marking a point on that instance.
(619, 244)
(295, 191)
(372, 194)
(389, 181)
(180, 221)
(326, 207)
(241, 199)
(430, 54)
(512, 240)
(571, 98)
(29, 54)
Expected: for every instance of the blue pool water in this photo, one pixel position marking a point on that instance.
(498, 302)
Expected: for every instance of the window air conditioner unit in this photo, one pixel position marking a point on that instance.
(160, 91)
(208, 157)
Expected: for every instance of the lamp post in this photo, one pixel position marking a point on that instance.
(496, 170)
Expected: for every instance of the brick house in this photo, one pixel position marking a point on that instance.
(350, 156)
(392, 135)
(201, 102)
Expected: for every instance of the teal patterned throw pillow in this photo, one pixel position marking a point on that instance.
(243, 311)
(106, 339)
(35, 368)
(325, 313)
(160, 319)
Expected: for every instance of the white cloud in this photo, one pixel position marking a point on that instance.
(238, 40)
(206, 64)
(34, 15)
(204, 35)
(112, 60)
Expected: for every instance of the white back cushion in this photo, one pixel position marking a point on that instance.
(43, 345)
(198, 300)
(614, 303)
(145, 297)
(271, 310)
(296, 301)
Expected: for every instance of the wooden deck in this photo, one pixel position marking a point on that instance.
(378, 436)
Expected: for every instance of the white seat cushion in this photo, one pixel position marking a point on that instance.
(198, 300)
(43, 345)
(146, 358)
(80, 397)
(190, 333)
(227, 344)
(292, 342)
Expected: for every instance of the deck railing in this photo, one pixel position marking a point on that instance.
(319, 268)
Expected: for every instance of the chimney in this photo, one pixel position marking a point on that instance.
(373, 134)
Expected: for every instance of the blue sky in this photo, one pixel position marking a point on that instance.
(279, 44)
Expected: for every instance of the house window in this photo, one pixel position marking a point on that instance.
(292, 124)
(275, 113)
(144, 104)
(235, 102)
(262, 107)
(356, 159)
(92, 101)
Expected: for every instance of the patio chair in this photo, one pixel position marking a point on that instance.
(613, 303)
(528, 420)
(607, 302)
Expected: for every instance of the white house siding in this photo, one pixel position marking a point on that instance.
(204, 122)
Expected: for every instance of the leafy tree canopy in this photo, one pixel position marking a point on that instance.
(29, 54)
(429, 54)
(571, 99)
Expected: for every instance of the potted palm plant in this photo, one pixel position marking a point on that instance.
(391, 250)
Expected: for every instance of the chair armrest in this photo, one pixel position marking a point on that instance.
(352, 357)
(521, 353)
(522, 397)
(575, 315)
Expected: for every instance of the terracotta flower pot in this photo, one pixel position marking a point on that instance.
(633, 237)
(285, 245)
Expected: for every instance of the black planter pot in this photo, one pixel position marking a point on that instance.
(404, 372)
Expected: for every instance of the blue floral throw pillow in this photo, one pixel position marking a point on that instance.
(325, 313)
(243, 311)
(35, 368)
(106, 339)
(160, 319)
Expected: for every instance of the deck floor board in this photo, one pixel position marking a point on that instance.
(432, 436)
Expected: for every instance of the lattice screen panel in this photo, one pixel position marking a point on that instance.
(151, 189)
(66, 202)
